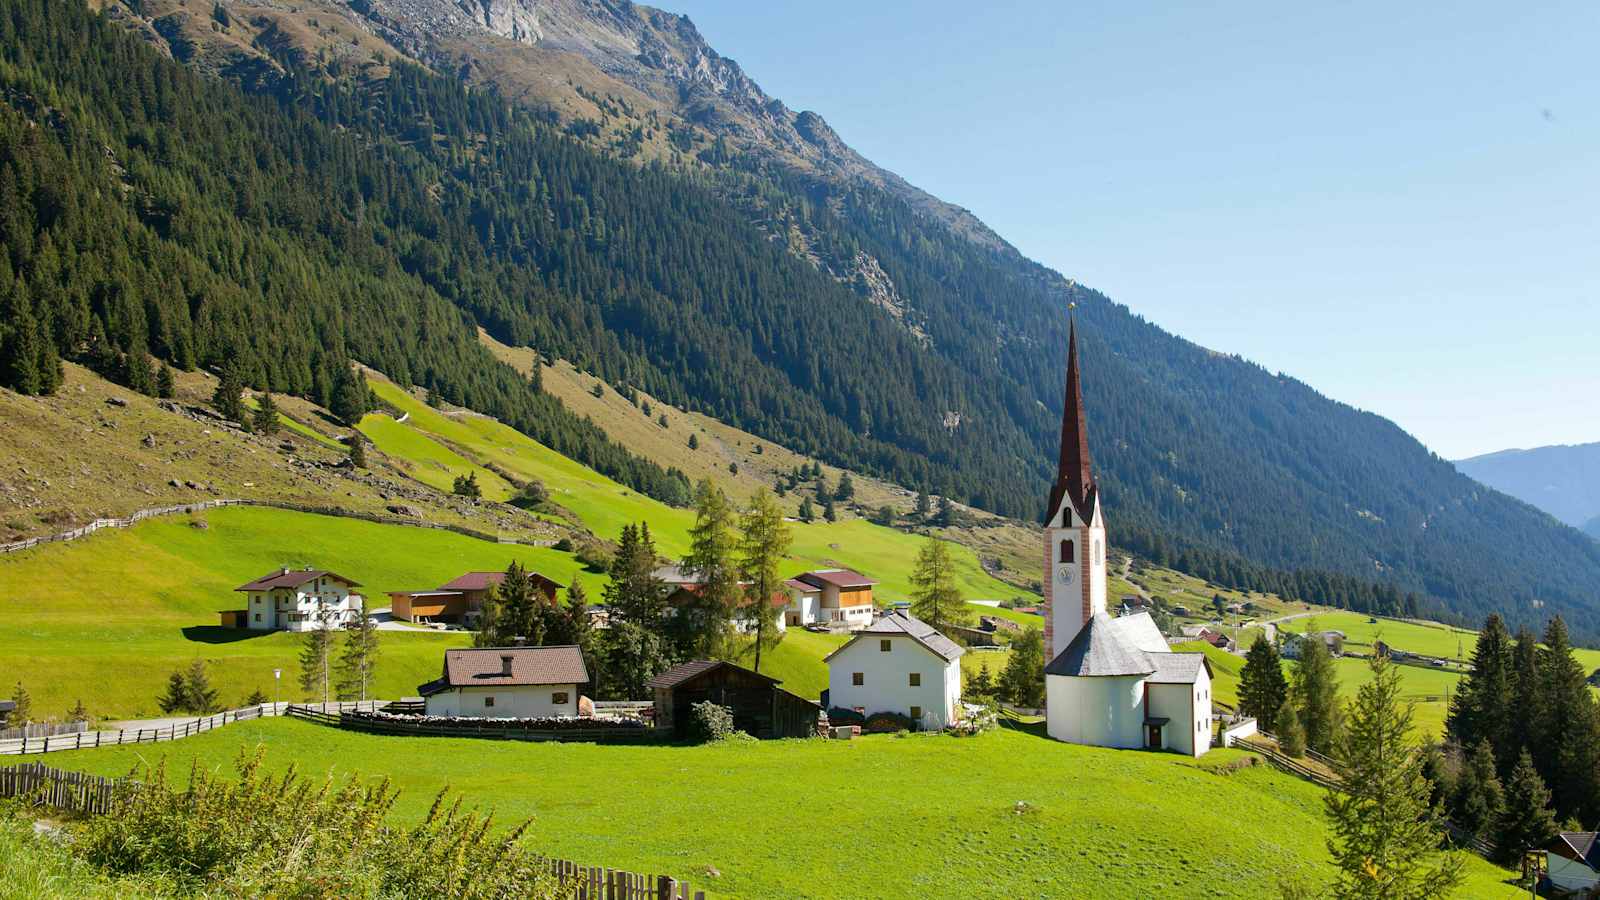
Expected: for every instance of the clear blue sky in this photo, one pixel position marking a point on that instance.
(1399, 205)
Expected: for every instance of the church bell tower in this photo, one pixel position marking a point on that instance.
(1075, 532)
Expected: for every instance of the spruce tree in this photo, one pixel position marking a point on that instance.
(358, 450)
(316, 663)
(1526, 695)
(225, 399)
(947, 513)
(923, 505)
(78, 712)
(491, 626)
(705, 627)
(846, 488)
(1316, 693)
(1262, 686)
(349, 401)
(1476, 804)
(981, 687)
(166, 387)
(257, 697)
(935, 597)
(266, 415)
(519, 613)
(807, 514)
(635, 593)
(201, 697)
(1481, 709)
(694, 442)
(1022, 680)
(828, 512)
(176, 698)
(763, 541)
(358, 660)
(1291, 734)
(1526, 821)
(1385, 836)
(22, 710)
(1566, 738)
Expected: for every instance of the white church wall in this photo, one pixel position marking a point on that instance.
(1106, 712)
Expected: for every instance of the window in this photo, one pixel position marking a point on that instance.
(488, 702)
(1099, 554)
(885, 645)
(857, 679)
(1066, 551)
(916, 713)
(916, 679)
(559, 698)
(258, 617)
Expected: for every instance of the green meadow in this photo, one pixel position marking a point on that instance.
(1006, 814)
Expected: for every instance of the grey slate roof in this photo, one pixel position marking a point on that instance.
(899, 622)
(1107, 647)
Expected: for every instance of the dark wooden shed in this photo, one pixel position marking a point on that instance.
(759, 706)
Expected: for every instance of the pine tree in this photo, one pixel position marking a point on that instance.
(1262, 687)
(763, 541)
(266, 415)
(201, 697)
(358, 450)
(694, 442)
(1481, 709)
(923, 505)
(705, 627)
(358, 661)
(807, 514)
(1385, 837)
(579, 630)
(1526, 821)
(635, 593)
(22, 710)
(257, 697)
(1291, 734)
(519, 613)
(1316, 693)
(935, 598)
(1022, 680)
(1567, 737)
(176, 699)
(1526, 695)
(981, 687)
(78, 712)
(828, 512)
(1476, 805)
(846, 488)
(491, 621)
(225, 399)
(166, 387)
(316, 651)
(467, 486)
(947, 513)
(349, 401)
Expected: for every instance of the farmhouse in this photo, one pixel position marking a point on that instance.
(296, 600)
(683, 589)
(1574, 860)
(838, 598)
(898, 664)
(459, 600)
(1292, 643)
(507, 682)
(758, 705)
(1110, 682)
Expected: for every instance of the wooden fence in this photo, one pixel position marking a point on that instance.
(190, 508)
(89, 740)
(495, 729)
(73, 792)
(42, 729)
(597, 883)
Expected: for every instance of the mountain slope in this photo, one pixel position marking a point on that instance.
(1562, 480)
(805, 304)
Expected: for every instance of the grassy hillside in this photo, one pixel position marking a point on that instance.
(958, 817)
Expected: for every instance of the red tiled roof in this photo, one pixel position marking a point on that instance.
(841, 578)
(528, 666)
(800, 586)
(474, 581)
(290, 578)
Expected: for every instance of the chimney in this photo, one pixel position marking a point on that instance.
(505, 665)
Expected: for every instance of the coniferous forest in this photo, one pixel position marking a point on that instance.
(149, 211)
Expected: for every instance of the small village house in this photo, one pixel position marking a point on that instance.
(1573, 858)
(460, 600)
(838, 598)
(759, 707)
(898, 664)
(507, 683)
(296, 600)
(1292, 642)
(683, 589)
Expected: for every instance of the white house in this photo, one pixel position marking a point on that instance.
(1109, 682)
(898, 664)
(507, 683)
(838, 598)
(1574, 861)
(299, 600)
(683, 589)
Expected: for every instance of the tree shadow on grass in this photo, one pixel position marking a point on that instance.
(1037, 729)
(216, 634)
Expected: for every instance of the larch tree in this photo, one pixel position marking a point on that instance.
(706, 625)
(1316, 693)
(935, 598)
(22, 709)
(1262, 686)
(358, 659)
(1385, 835)
(763, 540)
(316, 657)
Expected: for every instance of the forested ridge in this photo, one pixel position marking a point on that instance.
(336, 217)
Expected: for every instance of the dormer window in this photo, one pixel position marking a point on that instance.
(1066, 552)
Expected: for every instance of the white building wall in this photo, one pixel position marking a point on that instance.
(510, 701)
(1188, 711)
(886, 679)
(1105, 712)
(1067, 581)
(805, 608)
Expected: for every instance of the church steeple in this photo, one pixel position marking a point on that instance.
(1075, 474)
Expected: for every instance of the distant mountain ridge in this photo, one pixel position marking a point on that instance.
(1562, 479)
(666, 232)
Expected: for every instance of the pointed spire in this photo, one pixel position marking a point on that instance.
(1075, 475)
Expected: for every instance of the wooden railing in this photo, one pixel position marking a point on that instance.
(89, 740)
(73, 792)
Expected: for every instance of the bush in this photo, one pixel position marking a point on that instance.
(564, 545)
(595, 555)
(888, 723)
(713, 722)
(531, 495)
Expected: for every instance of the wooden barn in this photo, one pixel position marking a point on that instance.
(759, 706)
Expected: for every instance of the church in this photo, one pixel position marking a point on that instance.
(1110, 682)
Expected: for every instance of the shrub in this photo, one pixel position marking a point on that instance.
(595, 555)
(713, 722)
(564, 545)
(888, 723)
(531, 494)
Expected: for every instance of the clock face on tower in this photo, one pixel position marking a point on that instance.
(1064, 573)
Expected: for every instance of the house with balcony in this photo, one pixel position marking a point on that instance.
(838, 598)
(459, 601)
(297, 600)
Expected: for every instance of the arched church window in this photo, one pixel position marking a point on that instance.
(1066, 552)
